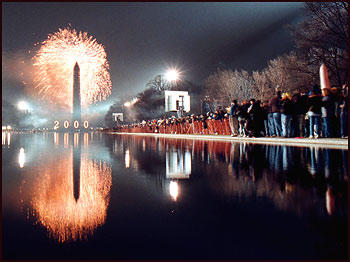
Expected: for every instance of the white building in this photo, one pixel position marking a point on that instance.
(177, 101)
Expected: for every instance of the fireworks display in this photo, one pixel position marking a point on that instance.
(54, 63)
(50, 196)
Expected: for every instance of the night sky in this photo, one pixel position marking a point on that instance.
(143, 40)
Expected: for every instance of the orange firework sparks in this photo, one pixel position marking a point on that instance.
(54, 63)
(50, 193)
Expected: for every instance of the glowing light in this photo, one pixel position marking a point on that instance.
(56, 138)
(3, 138)
(8, 139)
(4, 128)
(21, 158)
(65, 140)
(6, 136)
(174, 190)
(76, 139)
(51, 197)
(127, 158)
(172, 75)
(130, 103)
(22, 105)
(86, 140)
(54, 63)
(143, 145)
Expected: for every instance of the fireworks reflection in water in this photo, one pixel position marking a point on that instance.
(69, 194)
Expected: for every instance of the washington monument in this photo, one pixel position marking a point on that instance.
(76, 94)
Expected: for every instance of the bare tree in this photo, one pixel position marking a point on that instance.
(243, 84)
(287, 73)
(159, 83)
(262, 87)
(323, 36)
(228, 85)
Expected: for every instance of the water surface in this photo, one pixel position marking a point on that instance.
(101, 196)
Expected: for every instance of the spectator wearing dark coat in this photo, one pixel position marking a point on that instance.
(314, 112)
(328, 112)
(253, 112)
(286, 115)
(275, 104)
(344, 112)
(265, 115)
(243, 118)
(233, 121)
(270, 120)
(261, 116)
(299, 101)
(338, 98)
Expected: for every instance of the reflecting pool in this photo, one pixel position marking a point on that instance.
(104, 196)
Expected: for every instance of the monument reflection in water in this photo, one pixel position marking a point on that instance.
(70, 195)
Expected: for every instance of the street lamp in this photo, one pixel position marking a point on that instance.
(172, 75)
(130, 103)
(22, 105)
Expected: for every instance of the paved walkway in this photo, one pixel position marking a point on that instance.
(336, 143)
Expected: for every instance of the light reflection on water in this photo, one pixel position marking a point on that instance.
(6, 139)
(292, 177)
(66, 188)
(68, 193)
(174, 189)
(21, 158)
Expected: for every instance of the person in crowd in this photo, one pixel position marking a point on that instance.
(256, 122)
(328, 112)
(260, 117)
(270, 121)
(243, 117)
(286, 115)
(337, 94)
(264, 112)
(299, 101)
(223, 113)
(275, 104)
(217, 115)
(294, 122)
(251, 121)
(204, 123)
(314, 112)
(307, 120)
(233, 121)
(344, 113)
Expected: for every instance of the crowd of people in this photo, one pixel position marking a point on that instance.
(319, 113)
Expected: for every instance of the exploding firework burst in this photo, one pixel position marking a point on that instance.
(54, 63)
